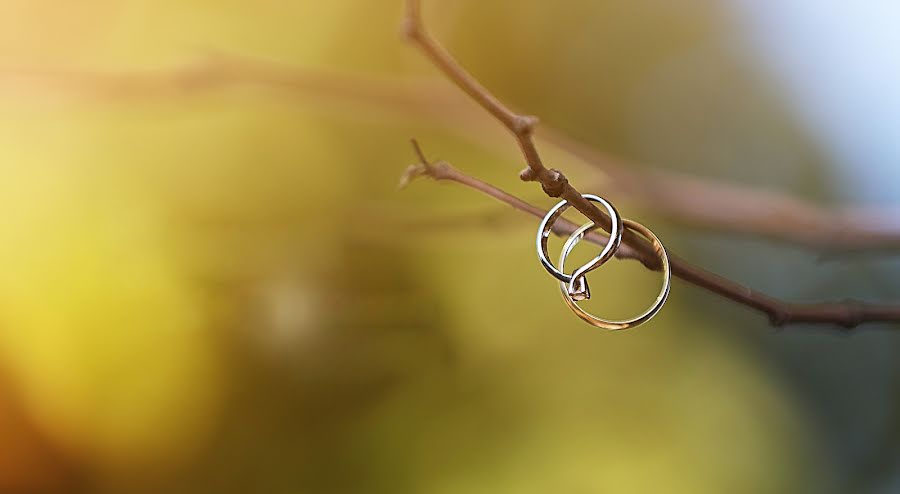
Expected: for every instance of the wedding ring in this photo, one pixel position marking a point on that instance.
(577, 287)
(576, 237)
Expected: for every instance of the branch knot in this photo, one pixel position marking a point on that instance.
(410, 29)
(553, 182)
(779, 318)
(523, 125)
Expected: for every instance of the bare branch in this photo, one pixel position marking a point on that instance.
(555, 184)
(847, 314)
(443, 171)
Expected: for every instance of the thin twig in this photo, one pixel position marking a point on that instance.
(847, 314)
(442, 170)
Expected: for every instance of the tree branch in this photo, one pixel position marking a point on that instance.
(847, 314)
(441, 170)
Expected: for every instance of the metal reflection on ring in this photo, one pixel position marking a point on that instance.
(577, 283)
(599, 322)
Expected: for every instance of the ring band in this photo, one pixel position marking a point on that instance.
(593, 320)
(577, 284)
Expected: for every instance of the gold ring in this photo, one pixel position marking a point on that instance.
(593, 320)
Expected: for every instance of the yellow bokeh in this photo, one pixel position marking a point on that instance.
(210, 282)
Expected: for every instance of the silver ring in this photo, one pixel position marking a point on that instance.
(577, 284)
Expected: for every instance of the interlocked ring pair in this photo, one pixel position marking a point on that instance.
(574, 286)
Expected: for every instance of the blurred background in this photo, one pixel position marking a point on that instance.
(211, 282)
